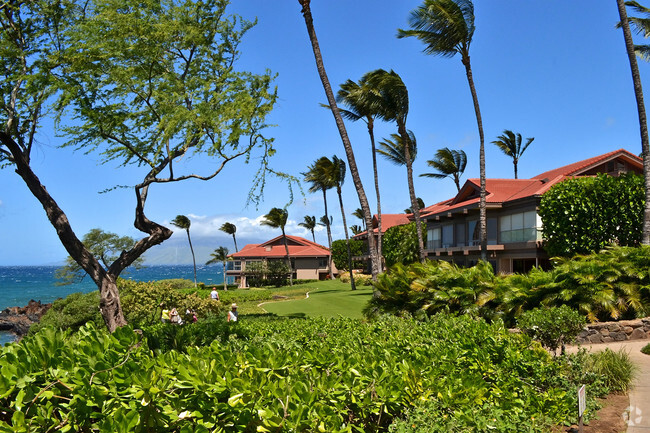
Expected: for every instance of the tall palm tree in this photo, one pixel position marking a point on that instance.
(642, 26)
(183, 222)
(362, 102)
(310, 224)
(359, 214)
(449, 163)
(349, 153)
(230, 229)
(337, 175)
(446, 27)
(324, 221)
(220, 255)
(318, 179)
(277, 218)
(355, 229)
(394, 106)
(510, 144)
(420, 204)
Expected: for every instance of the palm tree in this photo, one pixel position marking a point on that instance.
(277, 218)
(393, 148)
(446, 28)
(363, 101)
(355, 229)
(183, 222)
(510, 144)
(394, 106)
(449, 163)
(420, 204)
(324, 221)
(359, 214)
(337, 176)
(319, 181)
(310, 224)
(220, 255)
(642, 26)
(349, 153)
(230, 229)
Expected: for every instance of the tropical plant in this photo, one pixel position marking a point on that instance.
(617, 369)
(231, 229)
(184, 223)
(646, 349)
(359, 214)
(586, 214)
(553, 327)
(408, 210)
(448, 163)
(134, 108)
(510, 144)
(446, 28)
(341, 257)
(320, 181)
(349, 153)
(401, 245)
(355, 229)
(394, 151)
(220, 255)
(324, 221)
(309, 223)
(394, 107)
(641, 25)
(106, 246)
(362, 101)
(277, 218)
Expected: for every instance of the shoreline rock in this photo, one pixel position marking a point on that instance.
(17, 320)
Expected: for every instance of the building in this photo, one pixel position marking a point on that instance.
(513, 224)
(308, 259)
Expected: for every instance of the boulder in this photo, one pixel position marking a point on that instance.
(19, 319)
(638, 334)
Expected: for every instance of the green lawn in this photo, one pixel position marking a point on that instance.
(326, 298)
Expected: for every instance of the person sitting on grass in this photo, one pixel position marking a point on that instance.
(232, 314)
(214, 294)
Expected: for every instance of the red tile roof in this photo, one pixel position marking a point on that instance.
(298, 247)
(388, 220)
(580, 167)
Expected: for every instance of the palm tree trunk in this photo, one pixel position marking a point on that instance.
(482, 203)
(514, 162)
(193, 258)
(349, 153)
(286, 248)
(347, 239)
(329, 236)
(371, 132)
(225, 285)
(643, 122)
(235, 240)
(415, 206)
(313, 236)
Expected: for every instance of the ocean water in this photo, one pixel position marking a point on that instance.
(20, 284)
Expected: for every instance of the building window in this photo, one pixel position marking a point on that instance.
(233, 265)
(461, 238)
(448, 235)
(434, 238)
(322, 262)
(520, 227)
(474, 230)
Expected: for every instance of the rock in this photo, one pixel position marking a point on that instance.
(638, 334)
(604, 331)
(19, 319)
(627, 329)
(607, 339)
(614, 327)
(596, 338)
(618, 336)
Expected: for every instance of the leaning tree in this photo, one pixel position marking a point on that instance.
(142, 84)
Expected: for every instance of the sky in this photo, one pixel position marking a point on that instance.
(554, 70)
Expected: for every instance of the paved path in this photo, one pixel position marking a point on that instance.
(639, 410)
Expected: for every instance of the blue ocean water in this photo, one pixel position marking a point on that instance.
(20, 284)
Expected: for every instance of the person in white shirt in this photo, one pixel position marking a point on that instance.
(214, 294)
(233, 314)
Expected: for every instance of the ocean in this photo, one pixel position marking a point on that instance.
(20, 284)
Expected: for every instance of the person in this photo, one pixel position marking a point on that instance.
(214, 294)
(232, 314)
(175, 317)
(165, 314)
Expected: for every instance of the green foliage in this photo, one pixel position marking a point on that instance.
(400, 245)
(71, 312)
(336, 375)
(616, 368)
(646, 349)
(105, 246)
(586, 214)
(277, 273)
(553, 327)
(267, 273)
(340, 254)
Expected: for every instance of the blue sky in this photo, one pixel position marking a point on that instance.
(555, 70)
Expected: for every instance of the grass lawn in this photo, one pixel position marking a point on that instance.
(326, 298)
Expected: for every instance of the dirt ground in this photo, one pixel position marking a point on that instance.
(610, 417)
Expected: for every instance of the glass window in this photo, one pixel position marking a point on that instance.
(448, 235)
(435, 240)
(473, 231)
(492, 231)
(460, 235)
(520, 227)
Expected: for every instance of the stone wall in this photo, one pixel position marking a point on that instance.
(606, 332)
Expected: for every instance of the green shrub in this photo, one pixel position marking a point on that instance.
(359, 279)
(646, 349)
(340, 254)
(71, 312)
(400, 245)
(616, 368)
(553, 327)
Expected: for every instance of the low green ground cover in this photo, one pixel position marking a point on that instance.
(270, 374)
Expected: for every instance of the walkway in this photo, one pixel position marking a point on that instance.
(639, 410)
